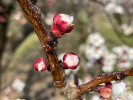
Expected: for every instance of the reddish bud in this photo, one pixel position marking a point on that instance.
(71, 60)
(62, 24)
(105, 92)
(40, 64)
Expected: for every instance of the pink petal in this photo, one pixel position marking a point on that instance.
(56, 18)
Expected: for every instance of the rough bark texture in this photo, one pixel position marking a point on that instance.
(33, 15)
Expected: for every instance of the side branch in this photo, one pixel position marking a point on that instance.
(33, 15)
(104, 78)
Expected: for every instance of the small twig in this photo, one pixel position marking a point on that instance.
(104, 78)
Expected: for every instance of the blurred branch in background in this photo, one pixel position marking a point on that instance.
(5, 13)
(118, 22)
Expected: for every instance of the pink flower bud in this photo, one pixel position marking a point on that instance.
(40, 64)
(62, 24)
(105, 92)
(71, 60)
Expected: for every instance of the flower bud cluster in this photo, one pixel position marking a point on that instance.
(71, 61)
(106, 91)
(40, 64)
(62, 24)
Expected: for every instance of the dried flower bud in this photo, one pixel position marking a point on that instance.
(40, 64)
(62, 24)
(71, 60)
(105, 92)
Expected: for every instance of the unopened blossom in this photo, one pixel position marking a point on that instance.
(68, 71)
(40, 64)
(105, 92)
(62, 24)
(71, 61)
(95, 39)
(118, 90)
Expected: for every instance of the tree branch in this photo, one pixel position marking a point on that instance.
(33, 15)
(104, 78)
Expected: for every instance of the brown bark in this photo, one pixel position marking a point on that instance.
(33, 15)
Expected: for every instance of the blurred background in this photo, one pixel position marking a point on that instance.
(102, 37)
